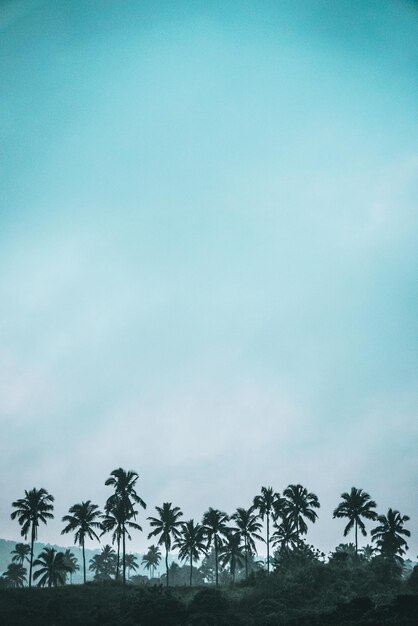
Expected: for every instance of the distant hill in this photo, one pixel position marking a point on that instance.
(7, 546)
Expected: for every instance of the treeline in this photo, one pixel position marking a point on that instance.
(226, 543)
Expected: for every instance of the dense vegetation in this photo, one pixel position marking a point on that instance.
(296, 584)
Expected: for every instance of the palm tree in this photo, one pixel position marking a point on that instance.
(103, 564)
(15, 575)
(299, 503)
(248, 526)
(191, 543)
(112, 522)
(121, 504)
(20, 553)
(52, 568)
(131, 563)
(285, 535)
(82, 520)
(35, 507)
(264, 503)
(71, 562)
(215, 525)
(368, 552)
(167, 527)
(354, 506)
(152, 559)
(230, 553)
(388, 535)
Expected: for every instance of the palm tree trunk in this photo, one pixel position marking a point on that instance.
(123, 554)
(191, 568)
(32, 541)
(216, 560)
(246, 559)
(118, 559)
(166, 565)
(268, 542)
(356, 534)
(84, 561)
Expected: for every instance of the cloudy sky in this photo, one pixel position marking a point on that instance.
(208, 252)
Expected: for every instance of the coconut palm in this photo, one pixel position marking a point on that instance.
(152, 559)
(34, 508)
(131, 562)
(166, 527)
(121, 504)
(20, 553)
(248, 526)
(71, 562)
(231, 554)
(52, 568)
(389, 535)
(15, 575)
(299, 503)
(264, 504)
(354, 506)
(368, 552)
(103, 564)
(191, 543)
(285, 535)
(215, 525)
(82, 520)
(113, 522)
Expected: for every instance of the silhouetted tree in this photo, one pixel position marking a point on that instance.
(354, 506)
(103, 564)
(231, 554)
(389, 535)
(298, 505)
(20, 553)
(131, 563)
(152, 559)
(15, 575)
(121, 504)
(248, 526)
(167, 528)
(264, 503)
(51, 568)
(191, 543)
(82, 520)
(71, 562)
(215, 526)
(285, 535)
(35, 507)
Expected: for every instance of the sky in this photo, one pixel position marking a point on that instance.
(208, 253)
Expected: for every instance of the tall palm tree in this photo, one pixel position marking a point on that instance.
(34, 508)
(215, 525)
(167, 527)
(15, 575)
(82, 520)
(71, 562)
(152, 559)
(52, 568)
(264, 504)
(389, 535)
(122, 502)
(354, 506)
(191, 543)
(230, 553)
(368, 552)
(248, 526)
(298, 505)
(20, 553)
(112, 522)
(285, 535)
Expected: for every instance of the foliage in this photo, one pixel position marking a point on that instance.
(52, 568)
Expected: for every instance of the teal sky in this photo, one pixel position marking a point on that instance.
(208, 252)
